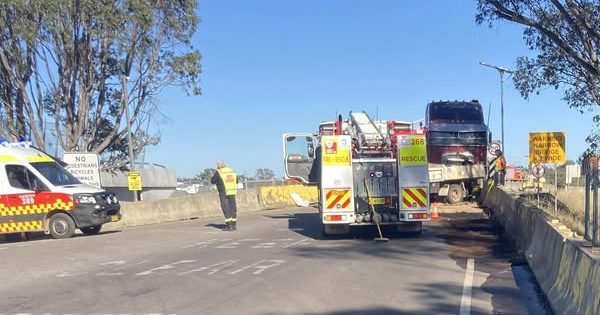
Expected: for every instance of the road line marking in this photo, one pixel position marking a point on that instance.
(164, 267)
(465, 303)
(261, 265)
(249, 240)
(67, 274)
(265, 245)
(222, 265)
(295, 243)
(117, 263)
(3, 248)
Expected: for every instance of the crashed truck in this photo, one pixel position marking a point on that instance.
(367, 172)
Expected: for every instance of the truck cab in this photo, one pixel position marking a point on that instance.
(37, 194)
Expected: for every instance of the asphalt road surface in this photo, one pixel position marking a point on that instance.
(276, 263)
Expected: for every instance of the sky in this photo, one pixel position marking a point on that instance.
(272, 67)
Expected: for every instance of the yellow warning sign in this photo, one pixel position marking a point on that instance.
(547, 147)
(413, 151)
(134, 179)
(336, 152)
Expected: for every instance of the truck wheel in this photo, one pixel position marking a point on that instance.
(61, 226)
(91, 230)
(456, 194)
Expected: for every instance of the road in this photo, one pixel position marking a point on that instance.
(276, 263)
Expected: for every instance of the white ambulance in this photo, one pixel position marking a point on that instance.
(38, 195)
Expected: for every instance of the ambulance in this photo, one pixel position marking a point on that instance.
(38, 195)
(368, 172)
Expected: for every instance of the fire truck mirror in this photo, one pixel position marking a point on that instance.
(311, 150)
(290, 139)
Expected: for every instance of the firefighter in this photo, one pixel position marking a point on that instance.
(226, 181)
(500, 168)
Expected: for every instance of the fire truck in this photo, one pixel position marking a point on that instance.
(38, 195)
(368, 172)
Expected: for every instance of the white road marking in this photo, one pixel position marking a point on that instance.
(3, 248)
(296, 243)
(214, 268)
(261, 265)
(164, 267)
(249, 240)
(70, 274)
(285, 239)
(229, 245)
(109, 274)
(465, 303)
(200, 244)
(23, 245)
(265, 245)
(116, 263)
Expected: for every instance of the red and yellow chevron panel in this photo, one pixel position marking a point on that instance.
(22, 226)
(415, 197)
(58, 204)
(337, 198)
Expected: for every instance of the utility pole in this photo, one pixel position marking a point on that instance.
(502, 71)
(125, 91)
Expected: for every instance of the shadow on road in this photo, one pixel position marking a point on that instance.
(40, 236)
(217, 226)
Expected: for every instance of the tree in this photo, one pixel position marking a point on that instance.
(80, 64)
(205, 176)
(264, 174)
(566, 36)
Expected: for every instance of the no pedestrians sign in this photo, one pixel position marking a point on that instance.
(547, 147)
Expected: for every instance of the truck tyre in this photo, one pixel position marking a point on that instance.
(61, 226)
(91, 230)
(456, 194)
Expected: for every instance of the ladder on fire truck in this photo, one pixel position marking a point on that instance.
(366, 131)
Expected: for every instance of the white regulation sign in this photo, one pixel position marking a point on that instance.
(84, 166)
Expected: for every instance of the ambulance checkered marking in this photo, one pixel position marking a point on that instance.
(21, 226)
(414, 196)
(336, 197)
(35, 208)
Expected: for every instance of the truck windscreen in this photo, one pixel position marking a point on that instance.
(461, 113)
(55, 173)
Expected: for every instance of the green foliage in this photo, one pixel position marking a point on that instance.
(71, 62)
(566, 37)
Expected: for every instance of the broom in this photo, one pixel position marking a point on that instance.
(379, 239)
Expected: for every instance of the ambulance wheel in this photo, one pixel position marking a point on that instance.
(456, 194)
(91, 230)
(61, 226)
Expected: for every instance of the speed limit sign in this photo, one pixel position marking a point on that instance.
(538, 170)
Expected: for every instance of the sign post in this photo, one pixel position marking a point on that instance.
(538, 171)
(84, 166)
(548, 147)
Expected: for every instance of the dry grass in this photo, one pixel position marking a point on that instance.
(573, 198)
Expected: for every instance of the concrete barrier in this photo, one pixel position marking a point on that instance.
(197, 206)
(279, 196)
(568, 273)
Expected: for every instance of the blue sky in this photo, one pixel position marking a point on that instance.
(274, 66)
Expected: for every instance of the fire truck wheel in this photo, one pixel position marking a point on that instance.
(456, 194)
(91, 230)
(61, 226)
